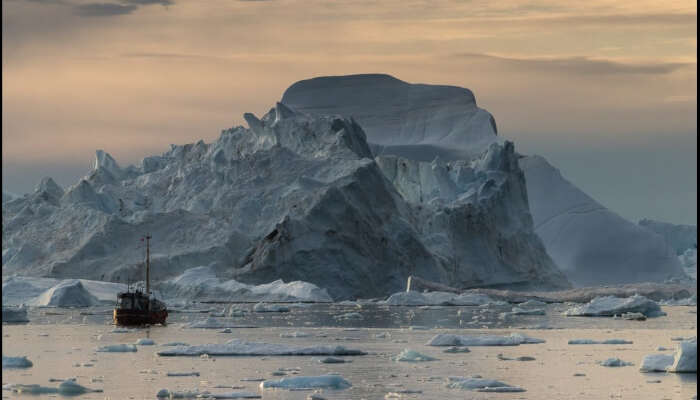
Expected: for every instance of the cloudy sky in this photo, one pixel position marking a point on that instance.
(606, 90)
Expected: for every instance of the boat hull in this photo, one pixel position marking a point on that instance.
(136, 318)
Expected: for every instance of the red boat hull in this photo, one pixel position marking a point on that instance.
(136, 318)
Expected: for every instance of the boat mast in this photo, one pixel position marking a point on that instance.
(148, 266)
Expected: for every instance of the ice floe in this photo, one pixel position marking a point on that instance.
(412, 356)
(480, 384)
(117, 348)
(615, 362)
(67, 388)
(455, 349)
(145, 342)
(189, 373)
(237, 347)
(609, 306)
(607, 341)
(16, 362)
(308, 382)
(515, 339)
(332, 360)
(214, 323)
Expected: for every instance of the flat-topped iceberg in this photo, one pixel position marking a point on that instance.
(237, 347)
(609, 306)
(308, 382)
(117, 348)
(437, 299)
(515, 339)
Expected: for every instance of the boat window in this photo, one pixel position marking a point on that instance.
(125, 303)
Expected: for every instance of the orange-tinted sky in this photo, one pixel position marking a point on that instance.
(607, 90)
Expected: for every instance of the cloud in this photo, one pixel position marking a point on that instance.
(580, 65)
(103, 9)
(149, 2)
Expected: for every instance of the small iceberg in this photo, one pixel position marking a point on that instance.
(656, 362)
(456, 349)
(145, 342)
(608, 341)
(14, 314)
(191, 373)
(237, 347)
(686, 358)
(412, 356)
(308, 382)
(608, 306)
(614, 362)
(117, 348)
(515, 339)
(16, 362)
(295, 335)
(67, 388)
(479, 384)
(332, 360)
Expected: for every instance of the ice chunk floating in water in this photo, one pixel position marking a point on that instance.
(480, 384)
(608, 306)
(515, 339)
(614, 362)
(237, 347)
(117, 348)
(16, 362)
(686, 357)
(656, 363)
(591, 341)
(412, 356)
(308, 382)
(14, 314)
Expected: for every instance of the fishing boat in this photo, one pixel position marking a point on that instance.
(136, 307)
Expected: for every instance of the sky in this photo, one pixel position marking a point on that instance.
(605, 90)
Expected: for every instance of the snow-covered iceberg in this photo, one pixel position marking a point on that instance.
(58, 293)
(409, 355)
(419, 122)
(292, 197)
(609, 306)
(591, 244)
(237, 347)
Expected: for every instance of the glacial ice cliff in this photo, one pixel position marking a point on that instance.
(291, 197)
(589, 243)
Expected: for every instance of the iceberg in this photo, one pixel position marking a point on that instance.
(607, 341)
(686, 357)
(609, 306)
(16, 362)
(14, 314)
(412, 356)
(117, 348)
(515, 339)
(308, 382)
(481, 384)
(437, 299)
(237, 347)
(656, 363)
(614, 362)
